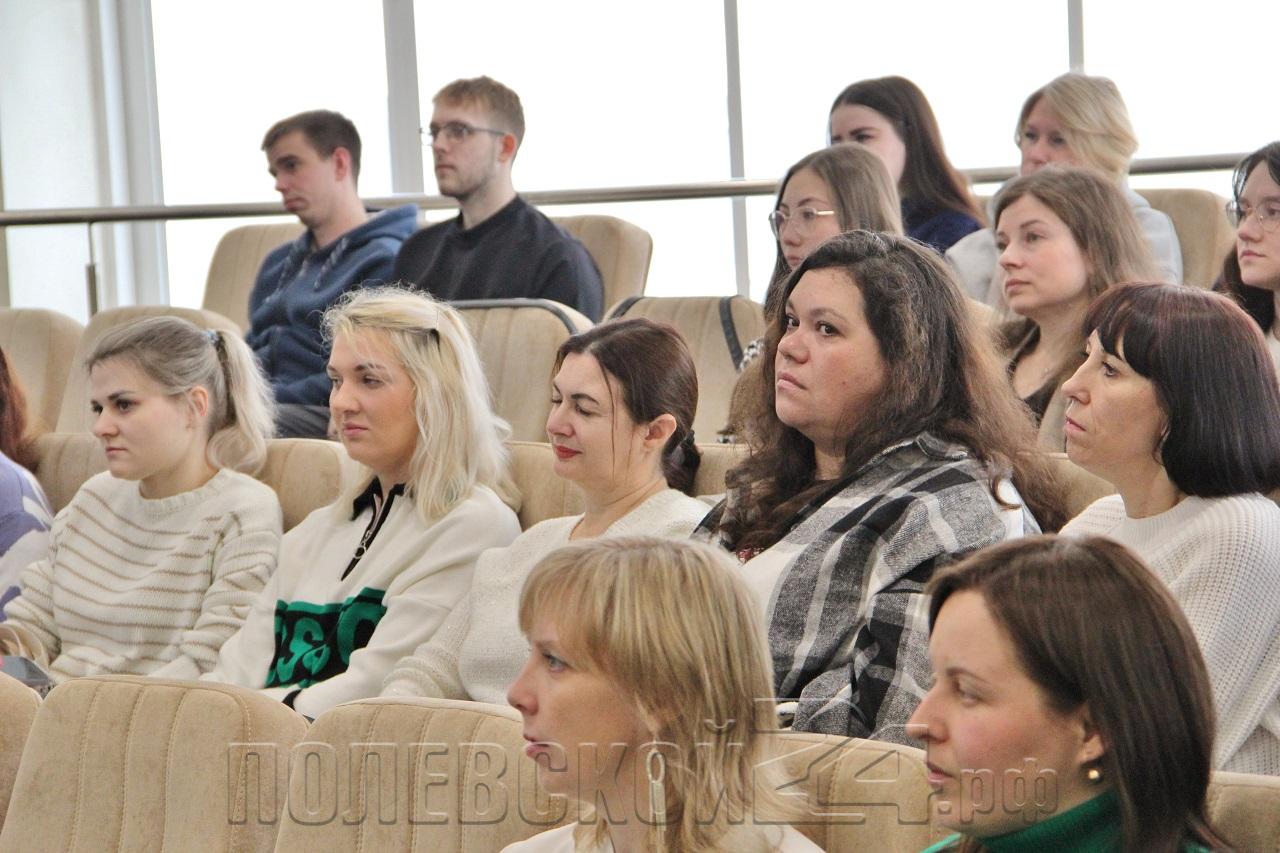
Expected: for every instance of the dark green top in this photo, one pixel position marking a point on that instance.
(1091, 827)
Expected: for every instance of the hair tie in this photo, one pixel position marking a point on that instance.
(688, 440)
(212, 335)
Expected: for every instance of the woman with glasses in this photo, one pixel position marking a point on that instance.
(884, 443)
(1178, 407)
(892, 117)
(1073, 120)
(833, 190)
(1251, 273)
(1065, 235)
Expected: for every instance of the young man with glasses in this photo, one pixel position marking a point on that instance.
(498, 246)
(315, 160)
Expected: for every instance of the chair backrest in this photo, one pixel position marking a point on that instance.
(1245, 809)
(437, 775)
(1204, 233)
(40, 346)
(135, 763)
(235, 264)
(18, 706)
(621, 250)
(74, 415)
(517, 340)
(306, 473)
(544, 495)
(1082, 487)
(717, 329)
(482, 793)
(859, 794)
(461, 782)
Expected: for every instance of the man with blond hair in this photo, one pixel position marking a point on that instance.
(498, 246)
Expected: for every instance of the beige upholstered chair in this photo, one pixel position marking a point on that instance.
(544, 495)
(132, 763)
(74, 415)
(1204, 233)
(622, 252)
(716, 328)
(306, 473)
(461, 781)
(18, 705)
(1245, 809)
(235, 263)
(1083, 488)
(517, 340)
(40, 345)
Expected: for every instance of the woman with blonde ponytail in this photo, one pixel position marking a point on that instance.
(155, 562)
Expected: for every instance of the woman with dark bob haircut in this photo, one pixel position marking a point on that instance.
(892, 117)
(1251, 272)
(1070, 698)
(885, 442)
(1177, 406)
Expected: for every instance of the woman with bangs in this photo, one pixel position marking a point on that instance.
(1191, 441)
(641, 699)
(365, 580)
(1073, 120)
(622, 433)
(885, 442)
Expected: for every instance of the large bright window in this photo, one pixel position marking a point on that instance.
(975, 63)
(613, 95)
(226, 72)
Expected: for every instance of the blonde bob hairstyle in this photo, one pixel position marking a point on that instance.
(178, 356)
(460, 439)
(1095, 121)
(672, 626)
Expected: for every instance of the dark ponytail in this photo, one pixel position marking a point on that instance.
(653, 367)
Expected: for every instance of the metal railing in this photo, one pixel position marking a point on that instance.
(90, 216)
(594, 195)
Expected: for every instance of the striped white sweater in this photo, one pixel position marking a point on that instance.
(149, 587)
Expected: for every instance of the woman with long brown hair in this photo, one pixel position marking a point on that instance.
(885, 442)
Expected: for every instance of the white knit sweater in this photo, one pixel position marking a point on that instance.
(149, 587)
(1221, 560)
(363, 619)
(479, 650)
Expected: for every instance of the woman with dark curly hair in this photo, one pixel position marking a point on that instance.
(885, 441)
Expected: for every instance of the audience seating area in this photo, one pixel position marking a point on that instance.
(620, 250)
(41, 347)
(129, 763)
(717, 329)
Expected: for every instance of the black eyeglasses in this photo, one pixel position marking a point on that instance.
(456, 131)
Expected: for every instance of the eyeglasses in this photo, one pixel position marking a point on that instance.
(1268, 214)
(456, 131)
(804, 218)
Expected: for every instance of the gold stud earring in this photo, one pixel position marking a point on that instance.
(1094, 775)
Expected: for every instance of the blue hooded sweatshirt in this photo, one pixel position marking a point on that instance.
(298, 282)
